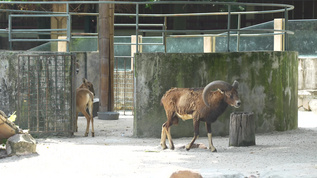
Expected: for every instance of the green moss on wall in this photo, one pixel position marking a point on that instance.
(268, 88)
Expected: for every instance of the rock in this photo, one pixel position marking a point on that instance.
(313, 105)
(304, 96)
(186, 174)
(21, 144)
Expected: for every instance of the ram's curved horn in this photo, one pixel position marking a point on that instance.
(215, 85)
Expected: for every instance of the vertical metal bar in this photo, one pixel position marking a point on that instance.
(73, 94)
(124, 85)
(137, 27)
(286, 28)
(64, 89)
(228, 28)
(116, 85)
(56, 114)
(29, 94)
(164, 33)
(18, 93)
(38, 94)
(238, 36)
(9, 30)
(68, 17)
(47, 93)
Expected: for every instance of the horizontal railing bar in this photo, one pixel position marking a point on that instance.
(209, 31)
(138, 43)
(147, 2)
(37, 30)
(123, 56)
(39, 15)
(42, 40)
(140, 25)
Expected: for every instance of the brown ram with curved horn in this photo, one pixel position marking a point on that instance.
(199, 104)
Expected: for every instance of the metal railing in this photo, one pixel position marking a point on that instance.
(279, 8)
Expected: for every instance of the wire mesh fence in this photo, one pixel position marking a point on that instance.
(45, 93)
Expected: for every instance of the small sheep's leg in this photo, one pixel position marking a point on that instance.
(209, 134)
(87, 116)
(92, 127)
(169, 136)
(92, 119)
(87, 128)
(163, 136)
(196, 135)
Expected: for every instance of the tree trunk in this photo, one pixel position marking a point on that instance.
(242, 129)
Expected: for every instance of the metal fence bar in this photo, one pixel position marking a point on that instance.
(228, 28)
(45, 93)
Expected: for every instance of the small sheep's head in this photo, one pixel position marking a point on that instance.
(230, 92)
(88, 85)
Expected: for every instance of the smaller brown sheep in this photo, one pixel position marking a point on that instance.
(199, 104)
(84, 98)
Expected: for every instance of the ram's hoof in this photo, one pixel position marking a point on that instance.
(93, 134)
(163, 146)
(213, 150)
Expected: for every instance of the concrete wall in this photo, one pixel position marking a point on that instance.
(268, 87)
(307, 73)
(8, 81)
(307, 83)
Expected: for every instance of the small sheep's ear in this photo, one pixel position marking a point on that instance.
(235, 84)
(220, 91)
(84, 80)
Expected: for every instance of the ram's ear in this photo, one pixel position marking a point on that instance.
(235, 84)
(84, 80)
(220, 91)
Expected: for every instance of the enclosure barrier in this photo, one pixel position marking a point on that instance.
(280, 8)
(45, 93)
(152, 29)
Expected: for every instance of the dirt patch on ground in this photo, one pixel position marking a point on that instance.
(113, 152)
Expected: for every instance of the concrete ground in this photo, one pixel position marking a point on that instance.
(113, 152)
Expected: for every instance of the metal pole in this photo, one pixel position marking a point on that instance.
(9, 28)
(68, 27)
(286, 28)
(164, 33)
(238, 36)
(228, 28)
(137, 28)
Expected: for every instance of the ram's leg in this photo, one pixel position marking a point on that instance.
(169, 136)
(209, 134)
(196, 135)
(163, 136)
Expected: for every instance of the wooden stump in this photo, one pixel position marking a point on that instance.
(242, 129)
